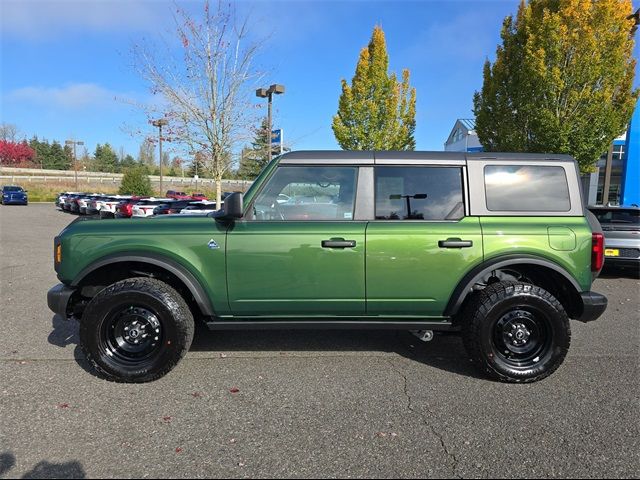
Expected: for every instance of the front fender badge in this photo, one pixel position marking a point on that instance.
(212, 244)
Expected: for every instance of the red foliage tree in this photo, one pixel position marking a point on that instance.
(15, 153)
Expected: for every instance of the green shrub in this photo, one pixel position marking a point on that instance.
(135, 181)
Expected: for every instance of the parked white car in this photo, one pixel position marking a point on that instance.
(144, 208)
(107, 207)
(203, 207)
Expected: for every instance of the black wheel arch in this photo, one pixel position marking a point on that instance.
(560, 282)
(157, 262)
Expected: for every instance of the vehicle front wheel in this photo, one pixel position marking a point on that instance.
(516, 332)
(136, 330)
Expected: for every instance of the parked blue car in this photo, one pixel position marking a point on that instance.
(13, 195)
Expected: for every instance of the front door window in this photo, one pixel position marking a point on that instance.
(307, 193)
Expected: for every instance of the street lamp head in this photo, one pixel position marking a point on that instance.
(277, 89)
(79, 143)
(262, 93)
(159, 123)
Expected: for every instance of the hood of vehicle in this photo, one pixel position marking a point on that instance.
(162, 225)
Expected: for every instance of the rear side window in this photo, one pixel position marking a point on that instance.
(526, 188)
(419, 193)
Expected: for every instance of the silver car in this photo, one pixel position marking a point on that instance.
(621, 228)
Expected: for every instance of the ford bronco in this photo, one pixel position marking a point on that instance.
(496, 247)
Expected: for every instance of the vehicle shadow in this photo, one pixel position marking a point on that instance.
(44, 469)
(618, 272)
(64, 333)
(444, 352)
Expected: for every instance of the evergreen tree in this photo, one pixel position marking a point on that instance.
(68, 153)
(127, 162)
(42, 152)
(562, 80)
(376, 112)
(106, 160)
(57, 158)
(135, 181)
(254, 159)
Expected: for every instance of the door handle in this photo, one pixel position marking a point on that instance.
(338, 243)
(455, 243)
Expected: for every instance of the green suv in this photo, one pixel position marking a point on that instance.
(497, 247)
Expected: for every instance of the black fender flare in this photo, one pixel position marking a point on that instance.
(177, 269)
(473, 276)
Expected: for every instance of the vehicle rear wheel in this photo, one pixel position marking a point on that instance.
(136, 330)
(516, 332)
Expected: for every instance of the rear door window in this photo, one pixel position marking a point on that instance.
(419, 193)
(526, 188)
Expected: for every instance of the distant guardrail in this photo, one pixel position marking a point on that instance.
(29, 175)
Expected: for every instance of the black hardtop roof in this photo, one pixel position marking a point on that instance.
(328, 155)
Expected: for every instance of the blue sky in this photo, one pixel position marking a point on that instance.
(66, 65)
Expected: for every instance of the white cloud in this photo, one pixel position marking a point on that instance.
(72, 97)
(44, 19)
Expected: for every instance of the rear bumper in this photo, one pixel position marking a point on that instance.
(58, 299)
(593, 306)
(621, 262)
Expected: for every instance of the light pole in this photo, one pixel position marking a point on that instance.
(268, 93)
(75, 157)
(159, 123)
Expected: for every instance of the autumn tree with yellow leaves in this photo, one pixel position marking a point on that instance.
(376, 112)
(562, 80)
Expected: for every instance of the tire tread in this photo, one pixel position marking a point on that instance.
(478, 309)
(174, 302)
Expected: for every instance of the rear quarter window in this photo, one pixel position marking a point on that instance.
(526, 188)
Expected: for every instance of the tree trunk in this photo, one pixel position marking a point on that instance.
(218, 193)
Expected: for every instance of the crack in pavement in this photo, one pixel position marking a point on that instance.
(411, 409)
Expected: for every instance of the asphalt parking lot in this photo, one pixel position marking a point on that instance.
(310, 404)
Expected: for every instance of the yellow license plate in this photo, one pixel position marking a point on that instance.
(611, 252)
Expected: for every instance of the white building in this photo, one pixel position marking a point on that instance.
(463, 137)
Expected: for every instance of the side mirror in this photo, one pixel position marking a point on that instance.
(233, 206)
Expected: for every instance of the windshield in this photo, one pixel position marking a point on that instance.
(12, 189)
(617, 216)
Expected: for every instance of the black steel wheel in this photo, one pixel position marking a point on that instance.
(516, 332)
(131, 334)
(136, 330)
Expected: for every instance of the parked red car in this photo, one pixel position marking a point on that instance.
(177, 195)
(199, 196)
(124, 209)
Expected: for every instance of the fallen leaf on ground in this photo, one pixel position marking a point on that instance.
(166, 419)
(63, 405)
(234, 389)
(178, 450)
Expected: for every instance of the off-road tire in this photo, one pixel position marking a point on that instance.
(483, 331)
(162, 304)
